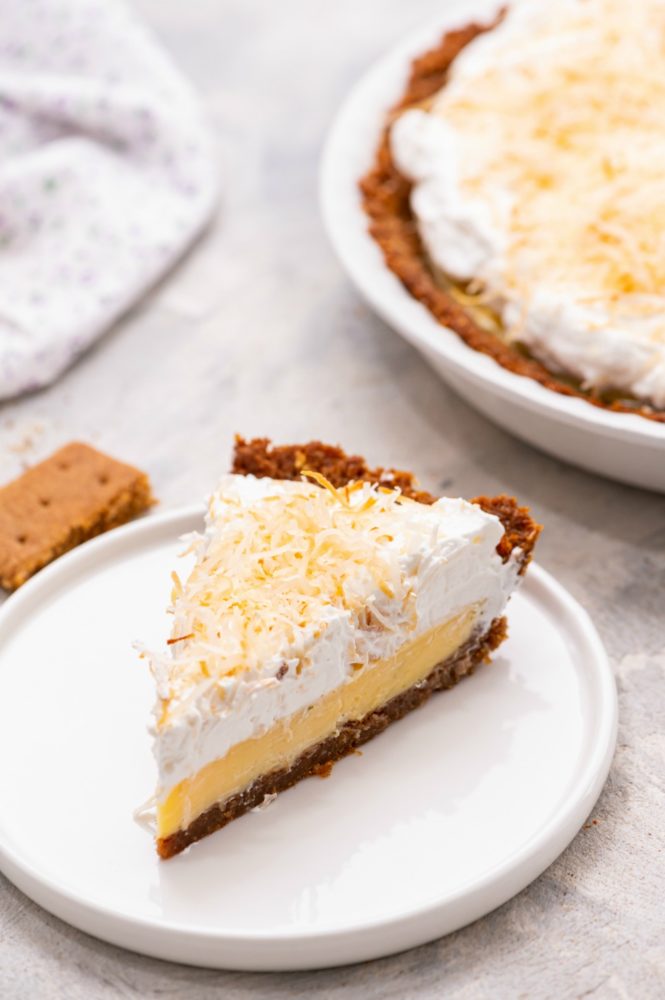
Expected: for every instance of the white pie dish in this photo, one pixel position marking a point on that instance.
(445, 816)
(626, 447)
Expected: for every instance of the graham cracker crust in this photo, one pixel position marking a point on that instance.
(386, 200)
(259, 458)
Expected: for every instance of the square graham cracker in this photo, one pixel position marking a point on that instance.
(73, 495)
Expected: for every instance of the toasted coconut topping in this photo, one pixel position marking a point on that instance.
(284, 563)
(577, 134)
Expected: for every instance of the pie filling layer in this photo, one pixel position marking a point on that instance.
(288, 738)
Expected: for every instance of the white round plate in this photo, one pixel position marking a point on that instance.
(442, 818)
(623, 446)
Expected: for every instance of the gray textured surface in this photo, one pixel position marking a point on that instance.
(260, 332)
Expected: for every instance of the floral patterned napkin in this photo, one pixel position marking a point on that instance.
(106, 175)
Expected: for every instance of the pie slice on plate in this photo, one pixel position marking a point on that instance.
(326, 601)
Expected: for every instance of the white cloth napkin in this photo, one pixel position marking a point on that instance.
(106, 174)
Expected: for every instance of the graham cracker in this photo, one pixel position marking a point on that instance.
(73, 495)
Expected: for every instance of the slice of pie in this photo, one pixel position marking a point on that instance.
(326, 601)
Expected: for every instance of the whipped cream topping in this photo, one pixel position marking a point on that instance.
(538, 179)
(296, 587)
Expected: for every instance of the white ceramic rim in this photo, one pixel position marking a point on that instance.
(343, 164)
(366, 940)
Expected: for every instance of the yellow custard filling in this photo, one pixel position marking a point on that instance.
(284, 742)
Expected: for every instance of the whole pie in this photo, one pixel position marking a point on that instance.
(326, 601)
(519, 193)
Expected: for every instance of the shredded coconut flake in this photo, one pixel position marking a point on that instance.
(272, 567)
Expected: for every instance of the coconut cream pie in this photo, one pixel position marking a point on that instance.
(326, 601)
(519, 193)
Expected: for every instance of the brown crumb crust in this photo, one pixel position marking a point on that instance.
(258, 457)
(386, 199)
(319, 759)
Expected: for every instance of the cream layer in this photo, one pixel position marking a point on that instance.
(537, 184)
(383, 571)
